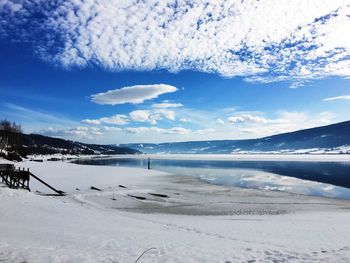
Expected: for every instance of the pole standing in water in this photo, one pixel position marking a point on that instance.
(149, 163)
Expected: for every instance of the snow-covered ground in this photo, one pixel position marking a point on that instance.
(196, 222)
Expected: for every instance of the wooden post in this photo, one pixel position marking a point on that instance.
(49, 186)
(28, 180)
(149, 163)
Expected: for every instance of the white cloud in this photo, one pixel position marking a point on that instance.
(246, 118)
(297, 41)
(11, 6)
(204, 131)
(166, 105)
(343, 97)
(184, 120)
(324, 118)
(220, 121)
(167, 114)
(153, 116)
(174, 130)
(31, 118)
(111, 128)
(91, 121)
(117, 119)
(150, 116)
(140, 115)
(134, 94)
(138, 129)
(79, 132)
(286, 122)
(178, 130)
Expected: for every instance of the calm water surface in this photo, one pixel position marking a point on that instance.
(275, 175)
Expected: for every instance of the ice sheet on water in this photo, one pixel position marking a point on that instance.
(268, 181)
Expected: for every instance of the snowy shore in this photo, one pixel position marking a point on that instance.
(192, 222)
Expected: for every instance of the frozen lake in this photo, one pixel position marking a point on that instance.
(320, 178)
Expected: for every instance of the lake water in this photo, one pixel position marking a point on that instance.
(329, 179)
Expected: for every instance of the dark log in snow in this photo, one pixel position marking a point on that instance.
(138, 197)
(159, 195)
(95, 188)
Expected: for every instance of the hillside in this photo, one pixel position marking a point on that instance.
(39, 144)
(334, 138)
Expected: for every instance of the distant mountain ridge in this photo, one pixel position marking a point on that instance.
(326, 139)
(39, 144)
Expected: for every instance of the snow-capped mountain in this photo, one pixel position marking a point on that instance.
(334, 138)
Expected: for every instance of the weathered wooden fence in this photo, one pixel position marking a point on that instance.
(14, 178)
(19, 178)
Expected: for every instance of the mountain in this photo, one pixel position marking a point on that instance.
(334, 138)
(39, 144)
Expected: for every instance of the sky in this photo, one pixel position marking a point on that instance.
(122, 71)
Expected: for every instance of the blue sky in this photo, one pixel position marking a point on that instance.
(174, 71)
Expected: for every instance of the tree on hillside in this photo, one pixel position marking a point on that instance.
(9, 135)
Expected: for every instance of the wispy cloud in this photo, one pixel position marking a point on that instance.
(166, 104)
(28, 95)
(343, 97)
(134, 94)
(142, 116)
(174, 130)
(32, 116)
(80, 132)
(246, 118)
(48, 123)
(209, 127)
(286, 122)
(118, 119)
(10, 6)
(220, 121)
(297, 41)
(152, 116)
(184, 120)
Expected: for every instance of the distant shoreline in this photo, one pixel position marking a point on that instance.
(239, 157)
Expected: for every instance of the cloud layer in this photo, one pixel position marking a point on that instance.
(151, 116)
(266, 41)
(343, 97)
(118, 119)
(286, 121)
(246, 118)
(166, 104)
(134, 94)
